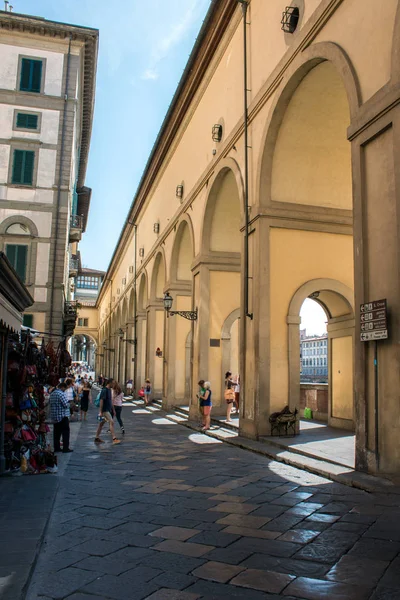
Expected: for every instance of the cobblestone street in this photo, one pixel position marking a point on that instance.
(173, 514)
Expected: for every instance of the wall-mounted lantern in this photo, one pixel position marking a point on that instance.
(159, 353)
(156, 227)
(141, 252)
(217, 133)
(179, 191)
(121, 335)
(290, 19)
(191, 315)
(124, 281)
(118, 291)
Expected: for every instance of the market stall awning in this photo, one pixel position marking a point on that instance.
(14, 297)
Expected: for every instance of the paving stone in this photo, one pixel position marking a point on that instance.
(234, 508)
(283, 523)
(322, 518)
(369, 548)
(266, 581)
(80, 596)
(185, 548)
(109, 586)
(175, 533)
(214, 591)
(166, 594)
(392, 576)
(217, 571)
(65, 582)
(228, 498)
(99, 547)
(257, 533)
(176, 581)
(316, 589)
(201, 515)
(299, 536)
(215, 538)
(357, 570)
(269, 510)
(140, 573)
(291, 566)
(167, 561)
(230, 555)
(385, 593)
(271, 547)
(244, 521)
(105, 565)
(320, 552)
(132, 554)
(60, 561)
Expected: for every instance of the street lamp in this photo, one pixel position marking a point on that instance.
(191, 315)
(121, 337)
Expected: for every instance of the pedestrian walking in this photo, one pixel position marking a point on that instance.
(237, 393)
(147, 391)
(206, 405)
(85, 399)
(199, 395)
(229, 394)
(105, 413)
(117, 400)
(59, 413)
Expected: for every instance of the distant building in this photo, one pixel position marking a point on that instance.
(87, 286)
(47, 89)
(314, 358)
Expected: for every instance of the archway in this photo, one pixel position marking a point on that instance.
(83, 349)
(230, 345)
(337, 301)
(156, 326)
(141, 331)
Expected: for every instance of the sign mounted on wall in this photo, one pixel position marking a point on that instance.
(373, 321)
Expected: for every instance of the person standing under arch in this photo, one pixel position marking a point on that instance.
(229, 394)
(206, 405)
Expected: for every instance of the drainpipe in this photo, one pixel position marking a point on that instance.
(244, 4)
(134, 315)
(58, 202)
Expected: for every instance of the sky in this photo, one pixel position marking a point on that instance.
(313, 318)
(144, 47)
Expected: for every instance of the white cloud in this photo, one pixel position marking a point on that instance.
(150, 74)
(176, 33)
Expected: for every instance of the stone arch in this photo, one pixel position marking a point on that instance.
(178, 272)
(159, 275)
(229, 172)
(143, 295)
(308, 60)
(14, 219)
(337, 300)
(226, 335)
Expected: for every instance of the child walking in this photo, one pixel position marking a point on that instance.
(147, 391)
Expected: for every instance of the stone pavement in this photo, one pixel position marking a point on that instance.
(174, 514)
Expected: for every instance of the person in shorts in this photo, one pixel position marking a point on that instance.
(198, 396)
(147, 391)
(106, 413)
(206, 404)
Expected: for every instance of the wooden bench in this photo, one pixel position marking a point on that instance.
(284, 423)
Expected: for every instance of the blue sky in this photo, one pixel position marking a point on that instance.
(144, 46)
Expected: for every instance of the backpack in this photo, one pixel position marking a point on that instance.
(97, 400)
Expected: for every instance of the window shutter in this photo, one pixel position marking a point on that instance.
(27, 321)
(17, 166)
(27, 121)
(36, 75)
(28, 167)
(20, 267)
(25, 75)
(11, 253)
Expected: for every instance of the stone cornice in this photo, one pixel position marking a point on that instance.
(25, 24)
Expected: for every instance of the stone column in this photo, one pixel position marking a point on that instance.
(155, 336)
(201, 293)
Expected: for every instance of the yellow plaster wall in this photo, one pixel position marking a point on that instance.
(295, 258)
(88, 313)
(312, 159)
(342, 378)
(234, 358)
(365, 32)
(225, 227)
(224, 299)
(183, 327)
(159, 343)
(185, 256)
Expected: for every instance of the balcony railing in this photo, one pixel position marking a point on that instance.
(75, 228)
(73, 266)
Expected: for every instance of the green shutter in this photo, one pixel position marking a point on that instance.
(36, 75)
(26, 121)
(28, 167)
(31, 75)
(17, 255)
(25, 75)
(28, 321)
(17, 166)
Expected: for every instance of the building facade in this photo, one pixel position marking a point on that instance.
(244, 211)
(314, 358)
(47, 87)
(86, 291)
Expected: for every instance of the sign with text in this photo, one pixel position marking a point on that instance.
(373, 321)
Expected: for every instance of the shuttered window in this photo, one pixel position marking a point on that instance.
(22, 172)
(26, 121)
(17, 255)
(31, 75)
(28, 321)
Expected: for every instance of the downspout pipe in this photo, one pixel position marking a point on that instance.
(58, 202)
(135, 315)
(247, 313)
